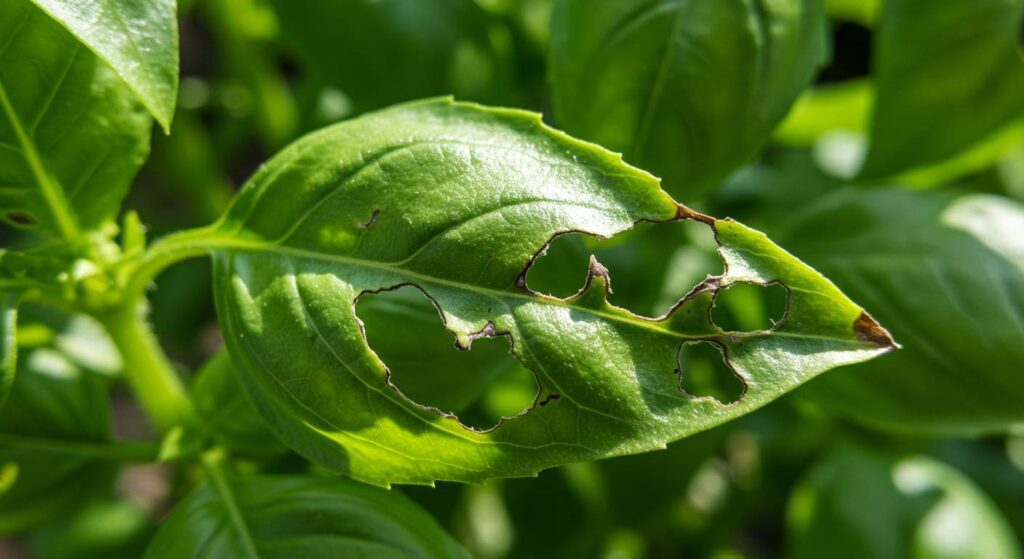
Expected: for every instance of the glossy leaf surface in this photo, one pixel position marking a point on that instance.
(457, 199)
(287, 517)
(956, 59)
(688, 89)
(138, 40)
(72, 135)
(947, 274)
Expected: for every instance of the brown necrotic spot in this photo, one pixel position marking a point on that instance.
(21, 219)
(479, 386)
(869, 330)
(373, 219)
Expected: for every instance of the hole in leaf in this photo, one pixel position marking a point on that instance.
(21, 219)
(480, 386)
(746, 307)
(651, 266)
(703, 372)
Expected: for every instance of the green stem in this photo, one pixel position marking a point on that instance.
(115, 451)
(150, 374)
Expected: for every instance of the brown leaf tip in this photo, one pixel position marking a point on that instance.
(869, 330)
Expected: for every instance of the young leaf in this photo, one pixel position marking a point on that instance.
(947, 274)
(293, 516)
(956, 59)
(689, 89)
(71, 134)
(350, 48)
(458, 200)
(138, 40)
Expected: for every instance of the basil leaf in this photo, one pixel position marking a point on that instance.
(920, 508)
(138, 40)
(947, 274)
(350, 48)
(689, 89)
(228, 413)
(72, 135)
(52, 433)
(458, 199)
(956, 59)
(294, 516)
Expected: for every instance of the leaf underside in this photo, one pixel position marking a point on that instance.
(457, 200)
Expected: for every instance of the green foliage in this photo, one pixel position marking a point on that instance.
(689, 89)
(66, 158)
(956, 59)
(285, 516)
(958, 266)
(138, 40)
(422, 294)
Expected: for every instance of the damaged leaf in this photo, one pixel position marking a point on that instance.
(688, 89)
(466, 197)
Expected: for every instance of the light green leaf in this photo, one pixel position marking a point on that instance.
(955, 60)
(458, 199)
(138, 40)
(861, 504)
(227, 413)
(8, 340)
(293, 516)
(689, 89)
(350, 48)
(54, 434)
(71, 134)
(947, 275)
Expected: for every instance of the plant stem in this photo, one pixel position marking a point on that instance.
(150, 374)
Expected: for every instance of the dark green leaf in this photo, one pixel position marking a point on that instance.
(951, 65)
(372, 53)
(689, 89)
(138, 40)
(71, 133)
(859, 504)
(458, 199)
(289, 517)
(228, 413)
(947, 274)
(52, 428)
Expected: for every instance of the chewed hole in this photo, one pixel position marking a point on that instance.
(703, 372)
(746, 307)
(651, 266)
(21, 219)
(479, 386)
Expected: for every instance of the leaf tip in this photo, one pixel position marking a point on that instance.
(869, 330)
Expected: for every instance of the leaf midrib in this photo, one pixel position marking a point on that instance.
(229, 243)
(52, 193)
